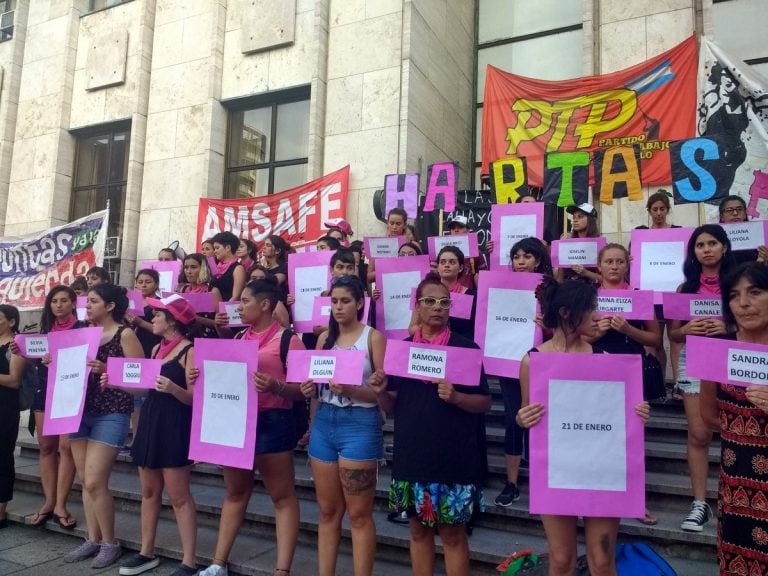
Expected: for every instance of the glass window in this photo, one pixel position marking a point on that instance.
(101, 4)
(500, 19)
(740, 28)
(268, 146)
(7, 17)
(101, 174)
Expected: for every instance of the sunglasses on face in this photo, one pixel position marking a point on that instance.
(429, 302)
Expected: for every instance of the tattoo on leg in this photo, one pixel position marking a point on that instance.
(357, 481)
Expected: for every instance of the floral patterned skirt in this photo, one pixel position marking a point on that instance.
(433, 503)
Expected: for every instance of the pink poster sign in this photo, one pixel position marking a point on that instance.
(225, 403)
(135, 302)
(168, 270)
(679, 306)
(657, 258)
(432, 363)
(32, 345)
(510, 223)
(629, 304)
(321, 311)
(727, 361)
(573, 251)
(139, 373)
(68, 373)
(232, 310)
(80, 311)
(383, 247)
(402, 191)
(337, 366)
(747, 235)
(467, 243)
(212, 264)
(309, 275)
(587, 452)
(505, 319)
(395, 279)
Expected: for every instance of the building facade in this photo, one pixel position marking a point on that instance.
(153, 104)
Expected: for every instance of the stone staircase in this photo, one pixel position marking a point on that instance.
(498, 533)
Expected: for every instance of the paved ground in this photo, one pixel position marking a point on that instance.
(26, 551)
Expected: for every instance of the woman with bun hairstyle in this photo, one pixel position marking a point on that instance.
(708, 258)
(102, 432)
(161, 442)
(57, 468)
(569, 310)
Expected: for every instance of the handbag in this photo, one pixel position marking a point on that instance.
(654, 386)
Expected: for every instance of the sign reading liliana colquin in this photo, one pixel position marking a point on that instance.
(32, 264)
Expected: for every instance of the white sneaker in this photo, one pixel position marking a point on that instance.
(214, 570)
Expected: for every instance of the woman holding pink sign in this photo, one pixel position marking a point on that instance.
(346, 442)
(569, 310)
(161, 444)
(57, 468)
(275, 434)
(104, 426)
(229, 276)
(531, 256)
(200, 281)
(740, 415)
(439, 461)
(583, 225)
(708, 257)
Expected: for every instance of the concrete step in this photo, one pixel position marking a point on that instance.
(253, 554)
(501, 523)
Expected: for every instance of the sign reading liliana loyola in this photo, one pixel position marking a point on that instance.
(297, 214)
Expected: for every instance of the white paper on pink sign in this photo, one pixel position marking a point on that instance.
(308, 276)
(168, 270)
(395, 279)
(511, 223)
(467, 243)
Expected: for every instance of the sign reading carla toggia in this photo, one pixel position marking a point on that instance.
(31, 265)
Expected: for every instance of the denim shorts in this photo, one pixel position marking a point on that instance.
(110, 429)
(275, 431)
(352, 433)
(686, 384)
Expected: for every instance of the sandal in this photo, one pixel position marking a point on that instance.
(40, 518)
(649, 519)
(67, 522)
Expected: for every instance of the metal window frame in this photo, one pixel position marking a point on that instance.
(270, 100)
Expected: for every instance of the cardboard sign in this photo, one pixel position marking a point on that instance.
(232, 310)
(467, 243)
(511, 223)
(657, 258)
(133, 372)
(505, 321)
(689, 306)
(573, 251)
(384, 246)
(432, 363)
(337, 366)
(32, 345)
(587, 452)
(225, 403)
(727, 361)
(308, 276)
(395, 279)
(168, 270)
(629, 304)
(747, 235)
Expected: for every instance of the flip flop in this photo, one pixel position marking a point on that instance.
(67, 522)
(40, 518)
(649, 519)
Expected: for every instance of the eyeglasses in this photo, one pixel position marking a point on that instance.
(733, 211)
(429, 302)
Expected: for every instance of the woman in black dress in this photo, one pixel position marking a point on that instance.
(162, 439)
(11, 368)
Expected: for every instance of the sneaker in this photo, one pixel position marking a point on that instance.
(698, 517)
(508, 495)
(138, 564)
(184, 570)
(108, 555)
(214, 570)
(85, 550)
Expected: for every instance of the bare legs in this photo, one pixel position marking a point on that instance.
(57, 470)
(94, 463)
(699, 439)
(601, 544)
(455, 549)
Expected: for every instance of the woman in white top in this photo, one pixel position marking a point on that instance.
(346, 440)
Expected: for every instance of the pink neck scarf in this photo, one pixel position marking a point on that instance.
(65, 324)
(222, 267)
(709, 284)
(439, 339)
(262, 337)
(166, 346)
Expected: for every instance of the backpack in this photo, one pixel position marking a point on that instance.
(639, 559)
(300, 407)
